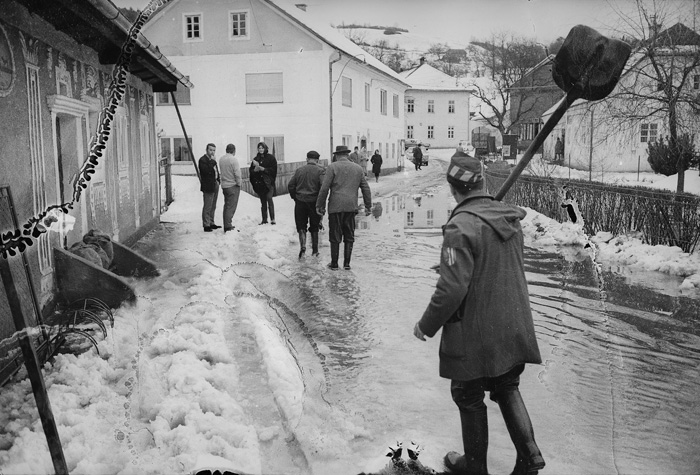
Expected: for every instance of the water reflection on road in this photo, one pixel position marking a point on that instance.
(618, 391)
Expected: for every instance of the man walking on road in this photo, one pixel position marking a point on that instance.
(481, 303)
(209, 175)
(303, 189)
(230, 184)
(343, 179)
(355, 156)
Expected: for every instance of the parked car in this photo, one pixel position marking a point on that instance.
(409, 145)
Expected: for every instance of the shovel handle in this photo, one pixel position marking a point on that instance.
(558, 113)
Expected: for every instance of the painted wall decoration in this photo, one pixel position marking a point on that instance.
(8, 72)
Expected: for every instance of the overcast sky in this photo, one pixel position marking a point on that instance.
(464, 20)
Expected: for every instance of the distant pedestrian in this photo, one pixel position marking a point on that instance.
(559, 151)
(303, 189)
(417, 157)
(209, 175)
(263, 173)
(482, 304)
(376, 165)
(343, 179)
(230, 184)
(355, 156)
(363, 160)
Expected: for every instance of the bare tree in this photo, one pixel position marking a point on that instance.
(660, 83)
(505, 59)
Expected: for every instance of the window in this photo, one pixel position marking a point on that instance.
(193, 27)
(182, 96)
(382, 102)
(529, 131)
(263, 88)
(238, 25)
(648, 133)
(409, 218)
(367, 96)
(451, 107)
(430, 215)
(347, 91)
(396, 105)
(409, 132)
(175, 148)
(696, 82)
(450, 132)
(275, 146)
(431, 131)
(431, 107)
(410, 105)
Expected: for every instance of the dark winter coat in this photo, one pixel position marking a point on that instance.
(306, 183)
(481, 299)
(264, 180)
(376, 164)
(417, 154)
(209, 174)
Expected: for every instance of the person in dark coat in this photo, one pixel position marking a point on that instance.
(482, 304)
(559, 151)
(376, 165)
(417, 157)
(263, 173)
(303, 189)
(343, 179)
(209, 176)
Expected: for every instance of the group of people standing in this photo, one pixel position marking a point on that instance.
(310, 187)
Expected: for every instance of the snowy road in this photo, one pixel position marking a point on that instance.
(277, 366)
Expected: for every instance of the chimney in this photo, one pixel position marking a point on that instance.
(301, 6)
(422, 60)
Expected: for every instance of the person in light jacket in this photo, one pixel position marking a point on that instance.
(230, 184)
(482, 304)
(343, 179)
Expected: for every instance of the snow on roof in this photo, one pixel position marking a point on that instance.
(426, 76)
(331, 36)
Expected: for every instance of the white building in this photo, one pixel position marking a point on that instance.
(437, 107)
(266, 70)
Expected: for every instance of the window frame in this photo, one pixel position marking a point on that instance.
(395, 105)
(410, 105)
(346, 91)
(409, 131)
(198, 15)
(233, 37)
(451, 107)
(383, 98)
(431, 131)
(431, 106)
(645, 132)
(281, 96)
(450, 131)
(368, 95)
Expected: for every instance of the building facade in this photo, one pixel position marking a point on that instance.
(55, 73)
(269, 71)
(437, 107)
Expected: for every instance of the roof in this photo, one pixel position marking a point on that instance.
(548, 60)
(677, 35)
(100, 25)
(426, 77)
(330, 36)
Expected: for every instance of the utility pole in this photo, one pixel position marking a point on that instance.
(590, 151)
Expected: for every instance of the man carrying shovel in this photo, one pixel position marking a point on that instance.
(481, 300)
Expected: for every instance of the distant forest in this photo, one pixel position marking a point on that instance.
(388, 30)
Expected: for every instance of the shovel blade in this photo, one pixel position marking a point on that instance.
(590, 62)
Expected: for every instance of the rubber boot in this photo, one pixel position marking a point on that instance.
(302, 244)
(347, 255)
(335, 252)
(475, 438)
(519, 426)
(314, 243)
(263, 211)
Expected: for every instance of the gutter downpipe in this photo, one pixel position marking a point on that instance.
(187, 138)
(330, 97)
